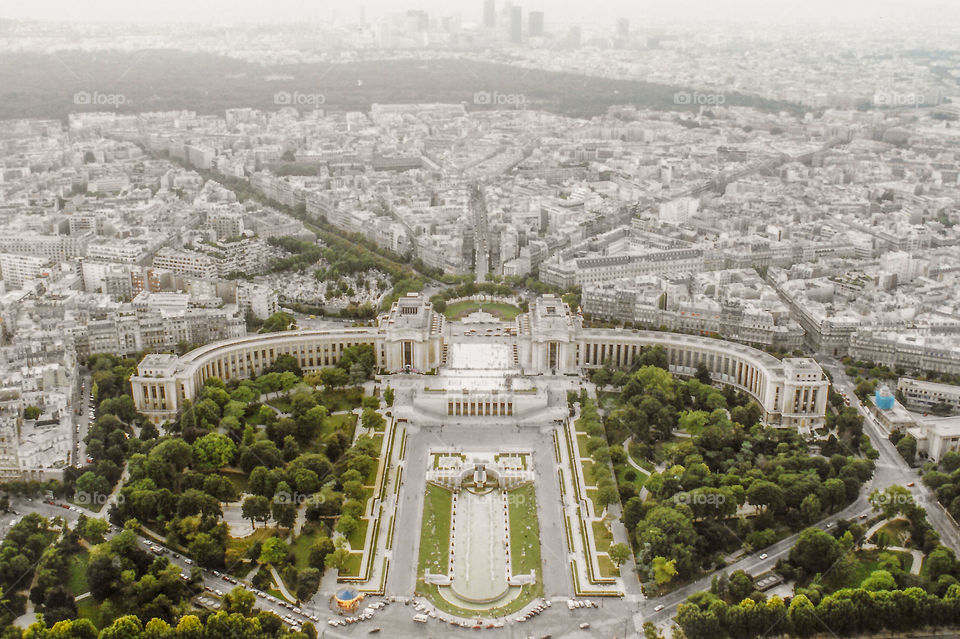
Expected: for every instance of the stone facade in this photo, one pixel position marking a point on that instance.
(549, 340)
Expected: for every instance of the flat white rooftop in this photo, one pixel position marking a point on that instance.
(480, 357)
(481, 367)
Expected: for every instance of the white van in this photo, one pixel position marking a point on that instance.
(421, 618)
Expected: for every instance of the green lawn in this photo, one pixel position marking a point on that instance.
(458, 310)
(582, 445)
(378, 444)
(621, 471)
(643, 463)
(242, 544)
(867, 564)
(352, 567)
(524, 531)
(588, 473)
(895, 530)
(607, 568)
(341, 398)
(282, 404)
(77, 576)
(527, 594)
(359, 535)
(96, 505)
(302, 544)
(602, 536)
(435, 530)
(347, 422)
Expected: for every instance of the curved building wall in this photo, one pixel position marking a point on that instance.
(792, 392)
(162, 382)
(549, 341)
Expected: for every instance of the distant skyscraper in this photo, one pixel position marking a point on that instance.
(535, 21)
(623, 27)
(516, 25)
(574, 37)
(490, 14)
(417, 20)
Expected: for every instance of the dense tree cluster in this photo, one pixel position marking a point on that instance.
(844, 612)
(292, 453)
(126, 580)
(944, 479)
(601, 454)
(20, 552)
(730, 466)
(829, 596)
(110, 439)
(238, 620)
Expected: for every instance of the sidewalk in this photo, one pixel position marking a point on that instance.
(281, 586)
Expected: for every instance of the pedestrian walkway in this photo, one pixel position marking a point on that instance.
(280, 585)
(916, 554)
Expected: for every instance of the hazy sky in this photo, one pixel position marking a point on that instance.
(942, 12)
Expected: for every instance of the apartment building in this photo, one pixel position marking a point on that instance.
(923, 395)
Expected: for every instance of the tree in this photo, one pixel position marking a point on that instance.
(815, 551)
(89, 486)
(664, 570)
(334, 377)
(347, 525)
(361, 356)
(239, 600)
(740, 586)
(284, 511)
(833, 493)
(337, 559)
(31, 412)
(319, 551)
(308, 582)
(810, 508)
(371, 419)
(766, 494)
(127, 627)
(879, 580)
(277, 322)
(213, 451)
(255, 508)
(94, 529)
(357, 374)
(907, 447)
(353, 488)
(939, 562)
(273, 551)
(894, 500)
(286, 363)
(388, 396)
(619, 553)
(802, 616)
(703, 374)
(650, 631)
(607, 492)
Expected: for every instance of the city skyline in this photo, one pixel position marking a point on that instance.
(522, 319)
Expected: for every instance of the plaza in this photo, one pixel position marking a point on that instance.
(485, 507)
